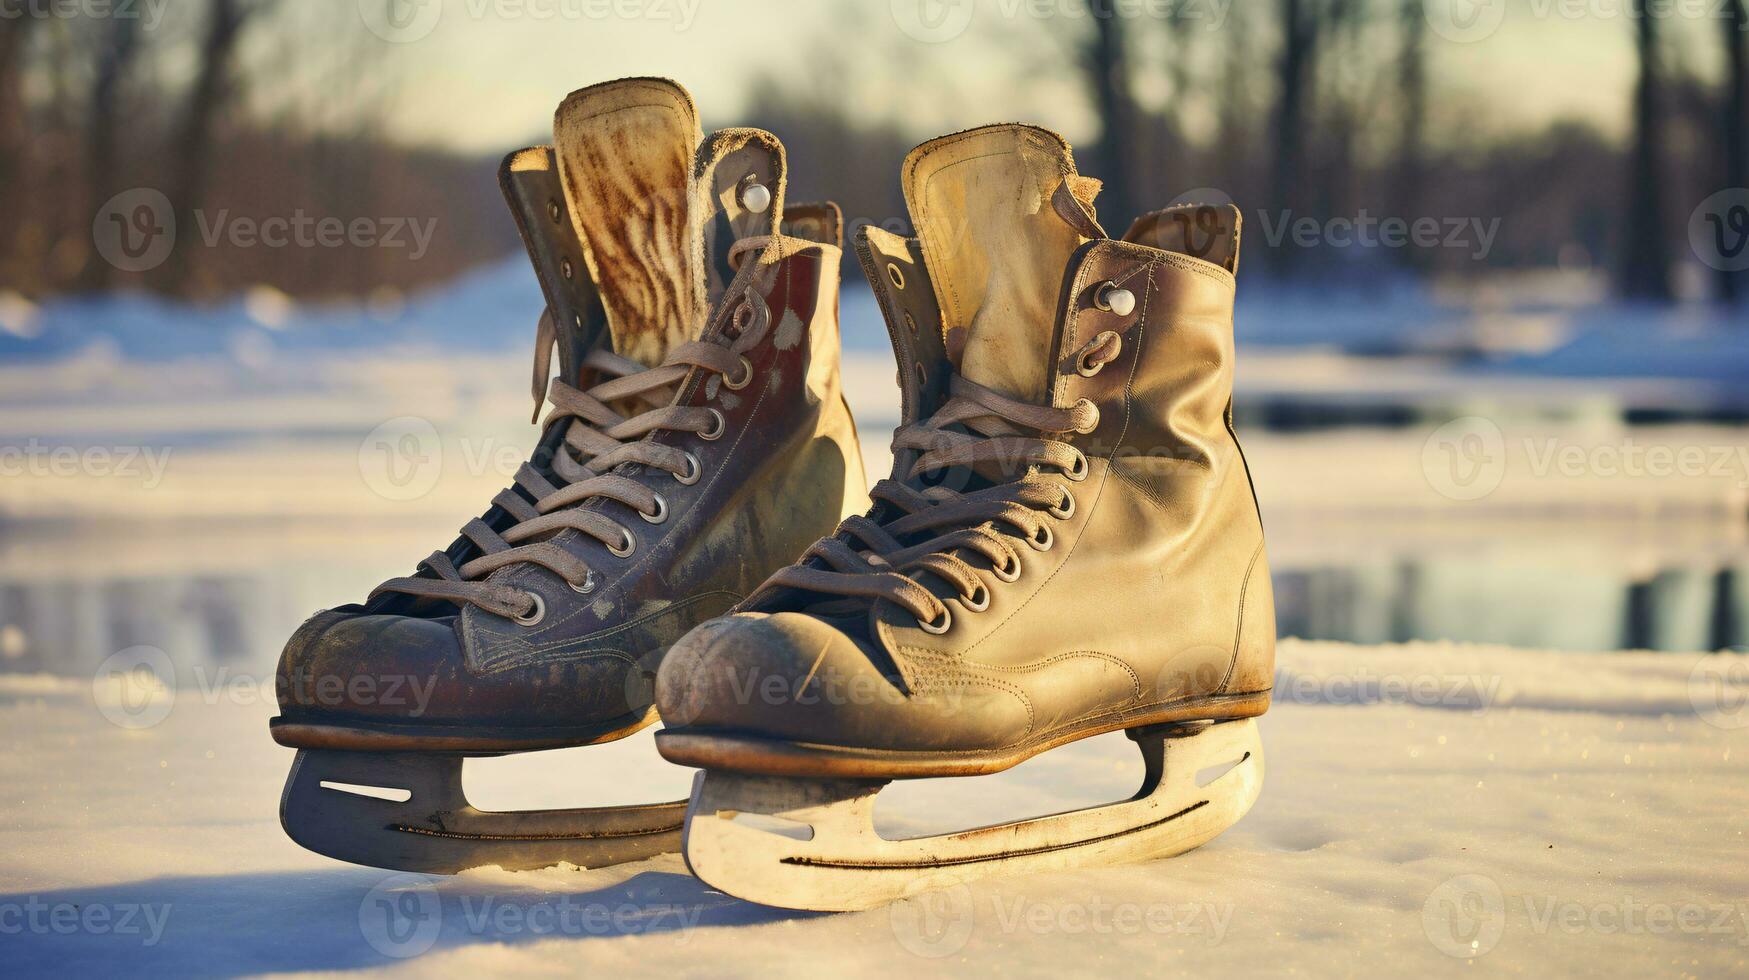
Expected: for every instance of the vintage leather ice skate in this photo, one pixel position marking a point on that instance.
(1068, 545)
(697, 441)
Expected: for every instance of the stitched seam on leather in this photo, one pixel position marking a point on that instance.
(995, 683)
(1239, 631)
(527, 652)
(517, 663)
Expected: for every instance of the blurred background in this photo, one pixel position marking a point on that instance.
(265, 323)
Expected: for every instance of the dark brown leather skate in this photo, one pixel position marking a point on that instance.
(1068, 545)
(697, 440)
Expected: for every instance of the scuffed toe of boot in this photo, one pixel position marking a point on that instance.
(784, 676)
(345, 665)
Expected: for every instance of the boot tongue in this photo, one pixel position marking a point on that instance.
(625, 152)
(998, 230)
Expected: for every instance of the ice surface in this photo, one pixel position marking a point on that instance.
(1539, 813)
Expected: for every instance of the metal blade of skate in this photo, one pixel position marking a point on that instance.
(431, 827)
(847, 866)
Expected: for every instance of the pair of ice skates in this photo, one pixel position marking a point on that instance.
(1068, 543)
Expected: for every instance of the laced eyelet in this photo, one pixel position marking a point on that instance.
(693, 471)
(946, 623)
(588, 585)
(973, 602)
(661, 513)
(722, 426)
(1042, 541)
(1078, 472)
(535, 614)
(624, 550)
(1093, 424)
(1009, 572)
(1066, 509)
(746, 376)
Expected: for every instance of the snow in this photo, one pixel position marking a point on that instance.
(1565, 812)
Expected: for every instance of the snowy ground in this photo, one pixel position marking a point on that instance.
(1424, 808)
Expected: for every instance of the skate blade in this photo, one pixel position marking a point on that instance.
(406, 811)
(846, 866)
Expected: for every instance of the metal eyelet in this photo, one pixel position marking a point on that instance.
(1009, 572)
(588, 585)
(973, 603)
(897, 277)
(1044, 543)
(631, 545)
(722, 426)
(553, 210)
(535, 614)
(910, 324)
(922, 376)
(946, 623)
(565, 267)
(755, 197)
(661, 513)
(1066, 509)
(1109, 297)
(746, 376)
(1092, 425)
(694, 470)
(1080, 469)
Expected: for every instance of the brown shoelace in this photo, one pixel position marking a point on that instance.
(992, 440)
(606, 427)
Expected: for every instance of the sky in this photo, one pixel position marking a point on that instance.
(479, 75)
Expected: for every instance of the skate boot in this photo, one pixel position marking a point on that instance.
(1068, 545)
(697, 440)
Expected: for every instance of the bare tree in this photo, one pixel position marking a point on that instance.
(1411, 162)
(213, 90)
(13, 32)
(1645, 261)
(1108, 71)
(118, 45)
(1293, 80)
(1734, 128)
